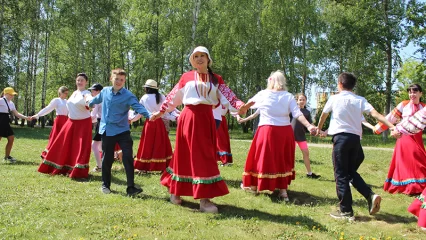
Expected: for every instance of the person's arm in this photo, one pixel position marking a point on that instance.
(139, 109)
(367, 124)
(254, 115)
(49, 108)
(381, 119)
(411, 125)
(19, 115)
(311, 128)
(322, 119)
(96, 100)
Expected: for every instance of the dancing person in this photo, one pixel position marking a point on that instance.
(69, 152)
(7, 108)
(58, 104)
(407, 170)
(193, 170)
(114, 128)
(270, 160)
(96, 115)
(299, 134)
(155, 150)
(347, 110)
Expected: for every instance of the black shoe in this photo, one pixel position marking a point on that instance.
(106, 190)
(10, 159)
(313, 176)
(343, 215)
(374, 203)
(133, 191)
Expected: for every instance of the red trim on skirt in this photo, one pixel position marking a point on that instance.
(70, 150)
(270, 161)
(58, 123)
(194, 165)
(223, 142)
(155, 150)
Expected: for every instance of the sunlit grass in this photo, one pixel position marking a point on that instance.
(38, 206)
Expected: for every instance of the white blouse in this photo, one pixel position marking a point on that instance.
(150, 103)
(58, 104)
(275, 107)
(3, 106)
(76, 104)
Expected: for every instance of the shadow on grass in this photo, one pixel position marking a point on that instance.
(386, 217)
(98, 178)
(313, 162)
(21, 163)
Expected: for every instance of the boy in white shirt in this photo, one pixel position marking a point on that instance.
(345, 127)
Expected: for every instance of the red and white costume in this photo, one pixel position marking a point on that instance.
(193, 170)
(407, 171)
(223, 142)
(155, 150)
(270, 161)
(69, 152)
(60, 105)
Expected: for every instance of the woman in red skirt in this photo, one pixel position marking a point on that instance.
(223, 142)
(69, 152)
(60, 105)
(270, 161)
(193, 170)
(407, 171)
(155, 150)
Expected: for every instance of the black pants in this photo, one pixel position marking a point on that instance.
(347, 157)
(125, 142)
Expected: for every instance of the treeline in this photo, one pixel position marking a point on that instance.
(45, 43)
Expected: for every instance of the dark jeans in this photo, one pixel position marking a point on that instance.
(217, 123)
(125, 142)
(347, 157)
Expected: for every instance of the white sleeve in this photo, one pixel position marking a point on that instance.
(49, 108)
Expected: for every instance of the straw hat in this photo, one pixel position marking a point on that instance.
(203, 50)
(151, 84)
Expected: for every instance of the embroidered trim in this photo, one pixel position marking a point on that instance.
(57, 166)
(169, 98)
(194, 180)
(268, 175)
(405, 182)
(230, 96)
(153, 160)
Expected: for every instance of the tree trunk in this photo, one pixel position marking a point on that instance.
(195, 13)
(46, 67)
(17, 71)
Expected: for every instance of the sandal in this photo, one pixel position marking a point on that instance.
(248, 189)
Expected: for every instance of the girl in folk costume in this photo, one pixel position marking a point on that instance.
(69, 152)
(155, 150)
(8, 107)
(270, 160)
(412, 126)
(193, 170)
(60, 105)
(407, 171)
(223, 141)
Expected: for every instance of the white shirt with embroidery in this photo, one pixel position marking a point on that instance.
(76, 104)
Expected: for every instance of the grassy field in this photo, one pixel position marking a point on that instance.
(38, 206)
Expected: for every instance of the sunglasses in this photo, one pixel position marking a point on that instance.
(414, 89)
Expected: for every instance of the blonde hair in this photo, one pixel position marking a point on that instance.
(62, 89)
(277, 81)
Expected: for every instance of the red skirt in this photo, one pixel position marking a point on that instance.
(270, 161)
(69, 152)
(407, 171)
(58, 123)
(193, 170)
(155, 150)
(223, 143)
(418, 208)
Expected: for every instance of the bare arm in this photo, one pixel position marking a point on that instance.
(242, 120)
(381, 118)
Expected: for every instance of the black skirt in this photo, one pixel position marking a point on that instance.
(5, 129)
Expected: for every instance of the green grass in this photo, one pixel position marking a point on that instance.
(39, 206)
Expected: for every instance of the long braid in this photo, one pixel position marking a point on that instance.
(212, 76)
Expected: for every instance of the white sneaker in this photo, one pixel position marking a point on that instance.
(10, 159)
(97, 169)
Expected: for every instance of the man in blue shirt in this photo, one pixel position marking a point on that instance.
(114, 128)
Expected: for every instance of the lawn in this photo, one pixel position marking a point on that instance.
(38, 206)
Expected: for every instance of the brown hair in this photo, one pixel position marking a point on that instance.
(83, 75)
(62, 89)
(348, 80)
(118, 71)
